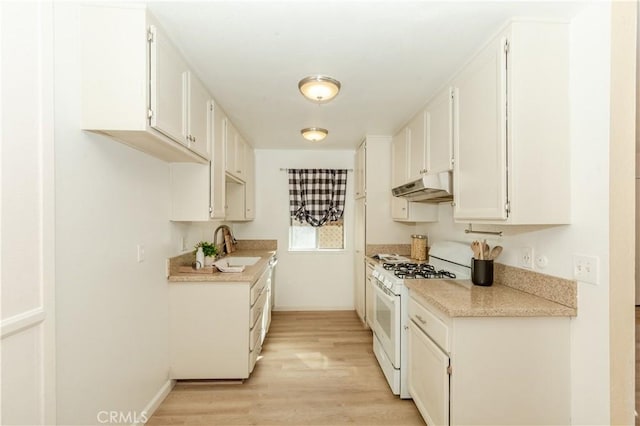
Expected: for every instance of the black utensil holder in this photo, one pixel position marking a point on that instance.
(482, 272)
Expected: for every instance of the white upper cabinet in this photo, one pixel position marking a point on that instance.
(399, 173)
(439, 140)
(430, 138)
(167, 87)
(234, 154)
(132, 83)
(399, 158)
(195, 114)
(360, 178)
(480, 167)
(198, 190)
(401, 209)
(417, 144)
(200, 193)
(250, 183)
(240, 166)
(511, 144)
(218, 131)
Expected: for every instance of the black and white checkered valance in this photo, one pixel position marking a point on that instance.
(316, 196)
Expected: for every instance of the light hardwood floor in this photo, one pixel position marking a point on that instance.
(317, 368)
(637, 364)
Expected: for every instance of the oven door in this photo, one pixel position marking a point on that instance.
(386, 321)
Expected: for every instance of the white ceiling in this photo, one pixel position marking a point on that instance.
(390, 57)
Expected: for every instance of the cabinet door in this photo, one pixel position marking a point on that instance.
(231, 139)
(480, 186)
(440, 133)
(416, 134)
(250, 183)
(196, 116)
(167, 88)
(369, 295)
(399, 173)
(359, 244)
(241, 147)
(428, 377)
(360, 177)
(218, 131)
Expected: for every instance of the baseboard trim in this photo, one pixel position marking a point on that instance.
(313, 308)
(155, 402)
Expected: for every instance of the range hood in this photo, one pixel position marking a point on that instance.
(431, 188)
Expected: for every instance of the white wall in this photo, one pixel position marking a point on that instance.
(588, 232)
(191, 233)
(112, 316)
(304, 280)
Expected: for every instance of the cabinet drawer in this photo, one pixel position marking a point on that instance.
(257, 288)
(253, 356)
(258, 308)
(430, 324)
(256, 333)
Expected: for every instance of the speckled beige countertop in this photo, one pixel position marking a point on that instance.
(250, 273)
(460, 298)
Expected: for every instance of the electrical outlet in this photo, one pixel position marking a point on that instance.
(140, 253)
(585, 268)
(183, 244)
(526, 257)
(541, 261)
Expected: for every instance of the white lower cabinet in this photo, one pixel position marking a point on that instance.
(428, 377)
(217, 329)
(488, 370)
(369, 292)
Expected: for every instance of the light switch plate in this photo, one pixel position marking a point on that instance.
(141, 253)
(586, 268)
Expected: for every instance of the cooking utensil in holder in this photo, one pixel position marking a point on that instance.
(482, 272)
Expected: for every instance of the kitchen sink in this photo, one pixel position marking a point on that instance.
(241, 261)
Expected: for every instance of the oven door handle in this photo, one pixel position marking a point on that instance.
(384, 291)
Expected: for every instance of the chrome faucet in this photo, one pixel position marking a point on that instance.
(215, 237)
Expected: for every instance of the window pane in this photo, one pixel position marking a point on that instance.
(331, 236)
(303, 236)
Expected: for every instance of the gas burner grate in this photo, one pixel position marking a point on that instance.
(419, 271)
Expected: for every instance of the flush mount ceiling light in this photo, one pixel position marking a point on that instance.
(314, 134)
(319, 88)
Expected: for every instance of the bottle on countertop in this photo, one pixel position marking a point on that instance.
(199, 258)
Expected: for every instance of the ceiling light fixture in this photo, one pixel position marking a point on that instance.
(319, 88)
(314, 134)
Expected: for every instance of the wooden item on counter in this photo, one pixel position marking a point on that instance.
(419, 247)
(203, 270)
(227, 241)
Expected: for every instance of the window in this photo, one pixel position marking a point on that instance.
(316, 207)
(304, 237)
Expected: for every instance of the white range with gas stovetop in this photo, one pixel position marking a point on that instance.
(447, 260)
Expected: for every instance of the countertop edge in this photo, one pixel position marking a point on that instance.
(544, 308)
(249, 275)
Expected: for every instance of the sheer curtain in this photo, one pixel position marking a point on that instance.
(316, 196)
